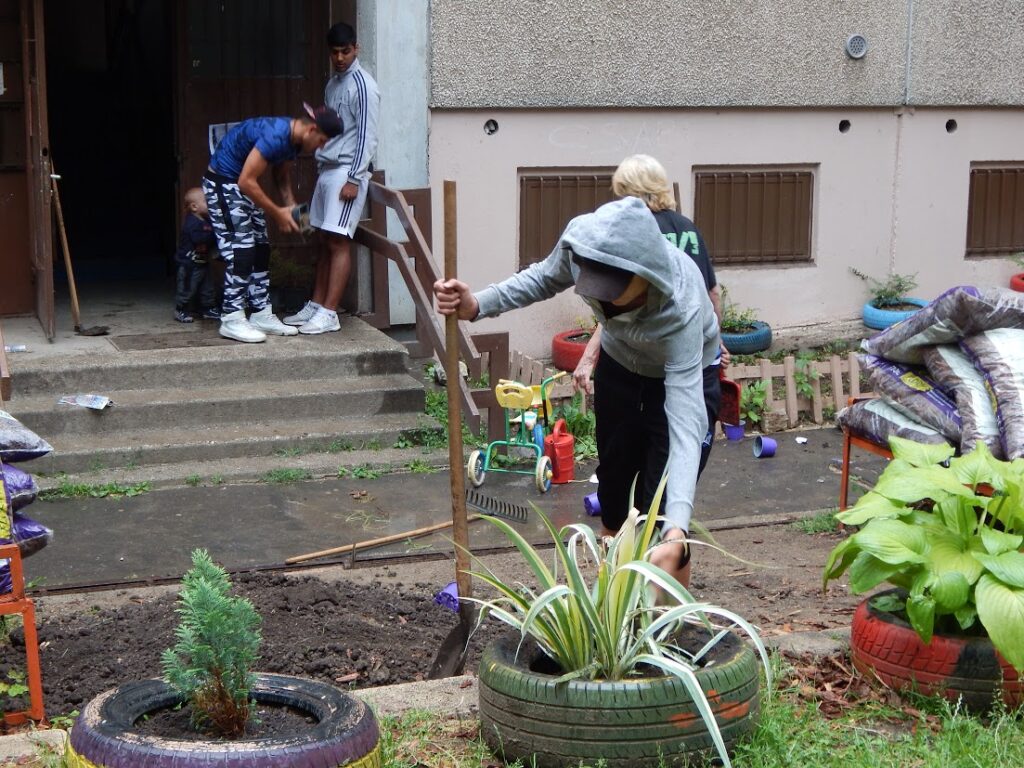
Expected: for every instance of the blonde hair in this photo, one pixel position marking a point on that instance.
(644, 177)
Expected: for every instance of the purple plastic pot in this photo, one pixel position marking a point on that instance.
(764, 447)
(591, 505)
(734, 431)
(449, 597)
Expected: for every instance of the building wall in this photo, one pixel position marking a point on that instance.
(695, 53)
(873, 208)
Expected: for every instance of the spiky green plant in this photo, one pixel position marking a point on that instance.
(218, 643)
(627, 618)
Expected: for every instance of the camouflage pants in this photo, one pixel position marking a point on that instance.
(241, 231)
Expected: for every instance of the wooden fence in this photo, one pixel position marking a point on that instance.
(831, 383)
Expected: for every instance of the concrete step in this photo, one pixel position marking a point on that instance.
(241, 402)
(284, 438)
(357, 465)
(357, 350)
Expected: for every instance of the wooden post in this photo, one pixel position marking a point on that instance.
(792, 409)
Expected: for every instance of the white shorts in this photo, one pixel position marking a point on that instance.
(327, 211)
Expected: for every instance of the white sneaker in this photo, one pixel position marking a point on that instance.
(303, 315)
(266, 321)
(235, 326)
(324, 321)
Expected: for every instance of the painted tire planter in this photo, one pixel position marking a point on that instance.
(631, 723)
(346, 732)
(1017, 282)
(567, 348)
(885, 646)
(758, 339)
(880, 319)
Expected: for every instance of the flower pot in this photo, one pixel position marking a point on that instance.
(757, 339)
(764, 447)
(734, 432)
(345, 731)
(885, 646)
(1017, 282)
(641, 722)
(567, 348)
(881, 318)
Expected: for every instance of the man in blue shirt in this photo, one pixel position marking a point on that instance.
(239, 206)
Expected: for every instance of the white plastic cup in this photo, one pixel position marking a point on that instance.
(530, 420)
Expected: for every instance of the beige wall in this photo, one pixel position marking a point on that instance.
(857, 177)
(696, 53)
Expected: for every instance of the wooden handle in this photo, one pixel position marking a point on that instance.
(75, 316)
(370, 543)
(460, 528)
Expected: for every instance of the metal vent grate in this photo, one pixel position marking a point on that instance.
(856, 46)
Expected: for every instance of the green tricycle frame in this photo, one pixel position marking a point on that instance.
(528, 407)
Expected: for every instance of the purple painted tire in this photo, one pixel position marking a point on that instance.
(346, 731)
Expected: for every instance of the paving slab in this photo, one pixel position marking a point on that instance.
(246, 525)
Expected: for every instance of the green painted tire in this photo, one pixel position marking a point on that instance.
(638, 723)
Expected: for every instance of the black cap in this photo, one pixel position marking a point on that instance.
(326, 119)
(600, 281)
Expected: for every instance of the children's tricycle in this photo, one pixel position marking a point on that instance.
(527, 408)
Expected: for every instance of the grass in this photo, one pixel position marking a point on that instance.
(193, 480)
(69, 490)
(283, 476)
(823, 522)
(420, 467)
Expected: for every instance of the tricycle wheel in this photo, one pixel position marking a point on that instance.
(475, 468)
(543, 474)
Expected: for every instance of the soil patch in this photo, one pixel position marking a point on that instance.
(381, 626)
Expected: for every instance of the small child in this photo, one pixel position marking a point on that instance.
(196, 246)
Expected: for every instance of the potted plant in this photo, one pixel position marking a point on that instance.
(946, 532)
(1017, 279)
(742, 333)
(567, 346)
(889, 303)
(202, 713)
(607, 670)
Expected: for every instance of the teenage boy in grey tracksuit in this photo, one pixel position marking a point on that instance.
(659, 332)
(341, 188)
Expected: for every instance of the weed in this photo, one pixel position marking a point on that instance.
(754, 401)
(217, 479)
(885, 293)
(418, 467)
(344, 472)
(403, 442)
(68, 490)
(823, 522)
(366, 472)
(193, 480)
(340, 446)
(290, 453)
(282, 476)
(64, 722)
(804, 374)
(16, 687)
(96, 466)
(735, 319)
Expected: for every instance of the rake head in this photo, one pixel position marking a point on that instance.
(485, 505)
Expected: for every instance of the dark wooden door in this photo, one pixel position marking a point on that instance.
(248, 58)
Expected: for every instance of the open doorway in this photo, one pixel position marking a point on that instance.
(110, 95)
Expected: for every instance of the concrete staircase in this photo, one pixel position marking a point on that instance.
(228, 412)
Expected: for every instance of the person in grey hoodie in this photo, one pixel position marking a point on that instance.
(660, 331)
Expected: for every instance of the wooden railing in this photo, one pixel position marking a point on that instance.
(419, 271)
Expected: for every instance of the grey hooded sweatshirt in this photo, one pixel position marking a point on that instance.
(674, 335)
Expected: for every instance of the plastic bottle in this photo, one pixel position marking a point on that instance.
(15, 348)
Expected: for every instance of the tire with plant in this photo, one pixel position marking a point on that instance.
(757, 339)
(633, 722)
(345, 732)
(957, 667)
(880, 318)
(567, 348)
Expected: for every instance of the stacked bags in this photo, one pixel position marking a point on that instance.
(953, 371)
(17, 491)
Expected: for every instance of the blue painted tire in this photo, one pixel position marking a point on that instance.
(880, 319)
(757, 340)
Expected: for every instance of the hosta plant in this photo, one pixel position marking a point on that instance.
(218, 643)
(949, 531)
(621, 621)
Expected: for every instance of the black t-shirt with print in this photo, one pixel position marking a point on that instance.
(680, 231)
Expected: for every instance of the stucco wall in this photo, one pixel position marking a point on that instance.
(857, 180)
(599, 53)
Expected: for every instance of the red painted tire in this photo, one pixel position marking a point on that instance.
(567, 348)
(886, 647)
(1017, 282)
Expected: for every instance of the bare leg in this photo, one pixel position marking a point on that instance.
(323, 271)
(339, 249)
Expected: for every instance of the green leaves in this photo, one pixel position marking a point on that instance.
(949, 530)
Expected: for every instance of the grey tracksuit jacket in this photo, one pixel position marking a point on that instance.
(354, 96)
(674, 335)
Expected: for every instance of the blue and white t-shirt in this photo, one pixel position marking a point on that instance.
(272, 136)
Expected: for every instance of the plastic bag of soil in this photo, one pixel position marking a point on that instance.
(953, 371)
(915, 395)
(20, 487)
(877, 421)
(18, 442)
(999, 356)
